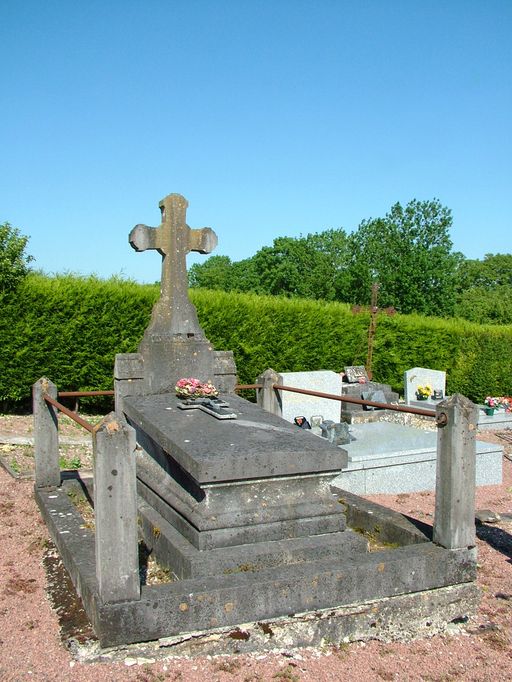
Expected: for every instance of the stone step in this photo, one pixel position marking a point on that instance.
(186, 561)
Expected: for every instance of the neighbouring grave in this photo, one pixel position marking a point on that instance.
(297, 404)
(383, 457)
(265, 553)
(356, 384)
(499, 420)
(421, 377)
(392, 458)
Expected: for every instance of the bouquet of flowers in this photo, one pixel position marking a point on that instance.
(193, 388)
(497, 403)
(493, 402)
(424, 392)
(506, 404)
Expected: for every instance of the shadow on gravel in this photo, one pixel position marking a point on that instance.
(497, 538)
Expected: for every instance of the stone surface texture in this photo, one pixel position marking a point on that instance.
(387, 458)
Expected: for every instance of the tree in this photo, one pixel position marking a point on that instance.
(409, 252)
(13, 260)
(493, 271)
(484, 289)
(486, 306)
(214, 273)
(307, 267)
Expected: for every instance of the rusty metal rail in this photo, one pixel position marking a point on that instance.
(69, 413)
(242, 387)
(358, 401)
(82, 394)
(347, 399)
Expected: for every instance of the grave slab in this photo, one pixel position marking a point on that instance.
(499, 420)
(392, 458)
(222, 483)
(255, 445)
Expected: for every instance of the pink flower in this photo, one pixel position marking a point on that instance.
(193, 387)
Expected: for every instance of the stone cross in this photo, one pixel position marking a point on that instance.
(173, 239)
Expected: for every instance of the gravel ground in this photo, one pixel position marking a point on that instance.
(32, 648)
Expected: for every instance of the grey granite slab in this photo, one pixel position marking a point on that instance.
(391, 458)
(255, 445)
(499, 420)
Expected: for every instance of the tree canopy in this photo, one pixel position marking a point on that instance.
(13, 259)
(409, 252)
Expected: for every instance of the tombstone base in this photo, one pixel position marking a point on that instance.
(391, 593)
(184, 560)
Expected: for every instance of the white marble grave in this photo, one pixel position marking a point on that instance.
(421, 376)
(299, 405)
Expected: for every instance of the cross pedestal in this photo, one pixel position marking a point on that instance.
(174, 345)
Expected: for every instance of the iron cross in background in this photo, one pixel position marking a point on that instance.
(374, 311)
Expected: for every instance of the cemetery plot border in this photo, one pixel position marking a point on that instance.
(383, 578)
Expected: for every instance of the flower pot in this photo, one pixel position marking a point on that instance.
(489, 411)
(421, 397)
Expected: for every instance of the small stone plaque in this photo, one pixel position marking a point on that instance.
(373, 396)
(356, 374)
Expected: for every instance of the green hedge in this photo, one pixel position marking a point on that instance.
(70, 328)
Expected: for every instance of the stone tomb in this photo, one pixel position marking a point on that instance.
(242, 510)
(236, 492)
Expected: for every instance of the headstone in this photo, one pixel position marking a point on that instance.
(356, 374)
(297, 404)
(421, 376)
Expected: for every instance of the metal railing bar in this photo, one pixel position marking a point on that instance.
(358, 401)
(69, 413)
(82, 394)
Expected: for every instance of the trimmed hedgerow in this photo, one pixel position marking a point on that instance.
(69, 329)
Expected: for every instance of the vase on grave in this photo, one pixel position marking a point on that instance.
(489, 411)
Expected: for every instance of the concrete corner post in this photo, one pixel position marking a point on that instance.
(268, 397)
(454, 521)
(46, 435)
(115, 509)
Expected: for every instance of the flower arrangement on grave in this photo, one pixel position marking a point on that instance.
(193, 388)
(499, 403)
(423, 392)
(506, 404)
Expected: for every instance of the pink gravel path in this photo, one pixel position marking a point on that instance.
(31, 647)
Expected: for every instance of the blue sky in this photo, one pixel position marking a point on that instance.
(273, 118)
